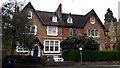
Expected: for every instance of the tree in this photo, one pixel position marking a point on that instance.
(76, 41)
(109, 16)
(15, 27)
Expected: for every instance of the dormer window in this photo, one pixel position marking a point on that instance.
(69, 19)
(54, 18)
(29, 14)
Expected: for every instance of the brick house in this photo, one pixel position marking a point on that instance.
(52, 27)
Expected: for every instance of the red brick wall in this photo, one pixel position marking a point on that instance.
(63, 32)
(97, 26)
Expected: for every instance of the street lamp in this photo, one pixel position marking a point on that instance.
(80, 54)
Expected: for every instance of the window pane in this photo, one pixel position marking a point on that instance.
(51, 43)
(56, 48)
(52, 30)
(25, 49)
(46, 48)
(96, 33)
(56, 43)
(51, 48)
(54, 19)
(20, 49)
(69, 20)
(74, 31)
(89, 32)
(32, 29)
(92, 32)
(29, 15)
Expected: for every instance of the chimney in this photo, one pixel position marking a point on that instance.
(59, 11)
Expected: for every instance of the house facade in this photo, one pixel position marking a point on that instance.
(51, 28)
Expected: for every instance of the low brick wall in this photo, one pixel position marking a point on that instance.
(28, 66)
(102, 62)
(66, 63)
(72, 63)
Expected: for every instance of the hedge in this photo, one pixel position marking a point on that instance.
(71, 55)
(74, 55)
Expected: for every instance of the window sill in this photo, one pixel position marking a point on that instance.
(51, 51)
(52, 34)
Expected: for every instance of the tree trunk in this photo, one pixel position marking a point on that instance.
(11, 47)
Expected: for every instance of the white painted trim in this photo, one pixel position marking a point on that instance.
(54, 18)
(54, 46)
(39, 53)
(94, 33)
(31, 14)
(52, 34)
(92, 20)
(69, 20)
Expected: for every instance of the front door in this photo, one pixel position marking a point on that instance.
(35, 52)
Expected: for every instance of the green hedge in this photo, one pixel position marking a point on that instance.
(101, 55)
(74, 55)
(71, 55)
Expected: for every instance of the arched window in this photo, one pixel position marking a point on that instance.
(54, 18)
(29, 14)
(69, 19)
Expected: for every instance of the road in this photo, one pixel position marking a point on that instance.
(87, 66)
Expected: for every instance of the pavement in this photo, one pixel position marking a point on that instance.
(86, 66)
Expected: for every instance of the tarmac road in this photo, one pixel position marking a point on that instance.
(87, 66)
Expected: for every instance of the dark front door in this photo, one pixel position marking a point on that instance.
(35, 52)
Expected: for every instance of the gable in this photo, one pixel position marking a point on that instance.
(96, 25)
(92, 14)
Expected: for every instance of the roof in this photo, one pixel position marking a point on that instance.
(79, 21)
(47, 19)
(36, 40)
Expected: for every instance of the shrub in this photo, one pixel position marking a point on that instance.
(117, 45)
(71, 55)
(101, 55)
(74, 55)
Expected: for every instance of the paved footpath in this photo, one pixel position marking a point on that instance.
(87, 66)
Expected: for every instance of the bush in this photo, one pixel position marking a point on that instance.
(117, 45)
(71, 55)
(101, 55)
(74, 55)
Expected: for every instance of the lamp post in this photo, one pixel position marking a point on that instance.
(80, 54)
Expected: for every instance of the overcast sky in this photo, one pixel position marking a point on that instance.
(80, 7)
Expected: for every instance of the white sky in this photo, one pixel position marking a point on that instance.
(76, 6)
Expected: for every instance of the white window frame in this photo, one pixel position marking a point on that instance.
(30, 15)
(73, 31)
(35, 31)
(53, 46)
(92, 20)
(54, 19)
(69, 20)
(56, 30)
(89, 33)
(21, 49)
